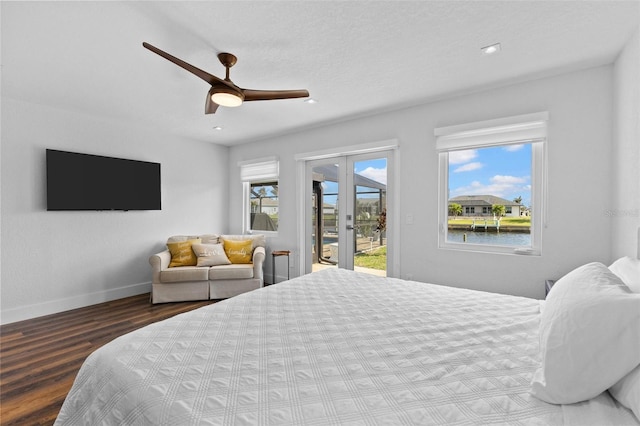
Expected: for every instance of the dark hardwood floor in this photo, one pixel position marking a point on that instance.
(39, 358)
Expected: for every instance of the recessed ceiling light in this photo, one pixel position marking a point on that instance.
(311, 101)
(217, 128)
(490, 50)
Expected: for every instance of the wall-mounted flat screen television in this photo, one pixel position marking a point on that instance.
(78, 181)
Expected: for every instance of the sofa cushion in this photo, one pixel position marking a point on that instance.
(184, 273)
(182, 254)
(238, 251)
(233, 272)
(181, 238)
(210, 238)
(210, 254)
(205, 238)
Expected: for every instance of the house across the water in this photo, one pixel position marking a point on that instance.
(481, 205)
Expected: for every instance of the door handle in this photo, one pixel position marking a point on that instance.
(350, 228)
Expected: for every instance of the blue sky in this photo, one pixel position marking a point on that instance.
(375, 169)
(503, 171)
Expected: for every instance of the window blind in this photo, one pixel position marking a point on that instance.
(261, 170)
(521, 128)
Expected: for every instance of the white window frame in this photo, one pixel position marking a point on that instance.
(257, 171)
(528, 128)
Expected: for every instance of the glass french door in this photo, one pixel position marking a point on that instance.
(347, 212)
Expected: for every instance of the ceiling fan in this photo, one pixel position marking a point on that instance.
(225, 92)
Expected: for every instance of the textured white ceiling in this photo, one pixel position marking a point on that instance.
(355, 57)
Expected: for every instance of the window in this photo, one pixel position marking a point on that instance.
(260, 185)
(494, 171)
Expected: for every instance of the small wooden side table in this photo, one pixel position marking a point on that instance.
(274, 254)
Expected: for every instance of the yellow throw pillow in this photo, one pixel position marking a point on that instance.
(182, 254)
(238, 251)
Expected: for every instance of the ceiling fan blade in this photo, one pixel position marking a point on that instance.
(266, 95)
(210, 107)
(209, 78)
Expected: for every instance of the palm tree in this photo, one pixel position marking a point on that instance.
(498, 210)
(455, 209)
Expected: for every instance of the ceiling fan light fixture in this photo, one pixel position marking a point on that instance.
(227, 98)
(223, 92)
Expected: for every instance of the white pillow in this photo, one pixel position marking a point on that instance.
(628, 270)
(210, 254)
(588, 336)
(627, 391)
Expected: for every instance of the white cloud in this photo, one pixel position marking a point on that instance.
(513, 148)
(508, 187)
(507, 180)
(469, 167)
(460, 157)
(379, 175)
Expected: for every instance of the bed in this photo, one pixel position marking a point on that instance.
(339, 347)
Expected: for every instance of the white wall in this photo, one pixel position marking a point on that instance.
(580, 166)
(54, 261)
(624, 213)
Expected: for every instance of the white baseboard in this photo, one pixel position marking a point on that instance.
(60, 305)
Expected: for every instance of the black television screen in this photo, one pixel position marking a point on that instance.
(91, 182)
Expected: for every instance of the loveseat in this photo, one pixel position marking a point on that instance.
(201, 267)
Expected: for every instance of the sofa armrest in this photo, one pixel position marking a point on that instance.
(258, 260)
(159, 262)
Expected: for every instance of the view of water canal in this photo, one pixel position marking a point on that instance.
(490, 237)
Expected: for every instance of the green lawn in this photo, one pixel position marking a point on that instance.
(376, 259)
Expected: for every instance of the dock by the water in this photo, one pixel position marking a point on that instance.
(485, 224)
(489, 226)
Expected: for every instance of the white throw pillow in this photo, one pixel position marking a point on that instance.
(627, 391)
(210, 254)
(588, 336)
(628, 270)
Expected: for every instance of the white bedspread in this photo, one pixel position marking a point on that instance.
(334, 347)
